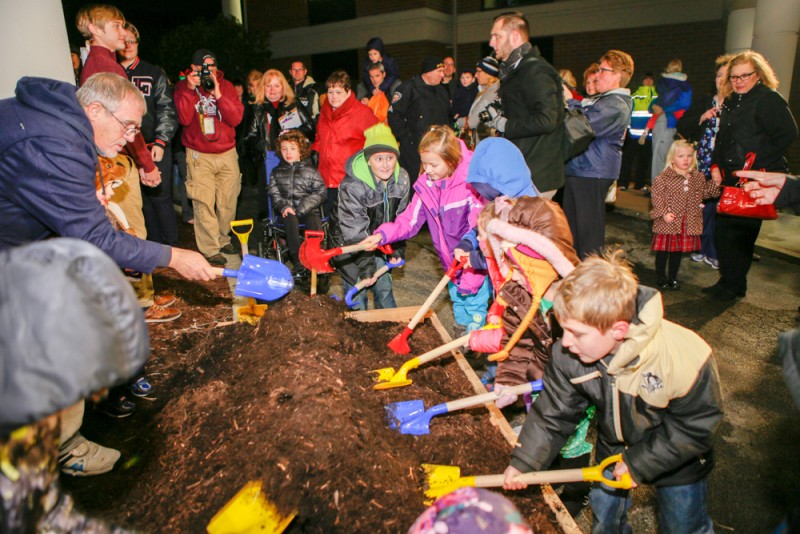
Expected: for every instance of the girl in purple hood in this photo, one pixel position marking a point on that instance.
(443, 199)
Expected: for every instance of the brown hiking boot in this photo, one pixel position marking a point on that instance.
(164, 299)
(160, 314)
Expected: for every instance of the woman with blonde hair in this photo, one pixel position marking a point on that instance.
(754, 119)
(275, 109)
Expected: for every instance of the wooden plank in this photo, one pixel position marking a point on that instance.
(565, 521)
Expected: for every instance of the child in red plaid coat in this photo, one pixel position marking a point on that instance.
(677, 213)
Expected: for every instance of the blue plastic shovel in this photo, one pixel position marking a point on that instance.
(411, 417)
(351, 293)
(260, 278)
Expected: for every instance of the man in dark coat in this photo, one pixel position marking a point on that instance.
(418, 104)
(533, 105)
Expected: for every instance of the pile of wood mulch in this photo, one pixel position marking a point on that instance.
(288, 402)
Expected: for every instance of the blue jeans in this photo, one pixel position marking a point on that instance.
(681, 509)
(470, 310)
(381, 290)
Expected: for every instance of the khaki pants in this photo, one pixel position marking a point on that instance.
(71, 420)
(129, 197)
(213, 183)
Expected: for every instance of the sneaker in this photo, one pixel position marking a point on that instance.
(217, 259)
(82, 458)
(698, 257)
(160, 314)
(141, 387)
(712, 262)
(116, 406)
(164, 299)
(229, 249)
(674, 284)
(663, 283)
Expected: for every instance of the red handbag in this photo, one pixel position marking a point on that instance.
(736, 201)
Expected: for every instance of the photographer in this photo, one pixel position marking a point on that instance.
(209, 111)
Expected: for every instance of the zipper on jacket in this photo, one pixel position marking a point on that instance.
(615, 404)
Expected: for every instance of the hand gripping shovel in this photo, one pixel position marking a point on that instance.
(313, 257)
(400, 342)
(348, 298)
(252, 311)
(411, 417)
(260, 278)
(247, 512)
(443, 479)
(388, 378)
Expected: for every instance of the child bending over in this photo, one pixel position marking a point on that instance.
(656, 388)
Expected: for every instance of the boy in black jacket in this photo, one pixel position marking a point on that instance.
(656, 388)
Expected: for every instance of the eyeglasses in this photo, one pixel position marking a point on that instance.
(130, 43)
(129, 129)
(603, 69)
(741, 77)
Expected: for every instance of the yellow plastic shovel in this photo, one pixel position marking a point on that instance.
(252, 312)
(444, 479)
(249, 512)
(388, 378)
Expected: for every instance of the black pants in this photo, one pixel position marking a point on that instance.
(585, 208)
(159, 212)
(735, 238)
(636, 159)
(311, 220)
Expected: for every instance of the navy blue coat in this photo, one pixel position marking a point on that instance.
(47, 170)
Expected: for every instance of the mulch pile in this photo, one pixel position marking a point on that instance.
(288, 402)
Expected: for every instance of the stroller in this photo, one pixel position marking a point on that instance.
(273, 244)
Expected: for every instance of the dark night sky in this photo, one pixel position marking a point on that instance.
(153, 18)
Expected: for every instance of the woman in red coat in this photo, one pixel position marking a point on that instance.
(340, 132)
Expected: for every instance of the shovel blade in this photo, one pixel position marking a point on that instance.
(443, 479)
(400, 342)
(382, 375)
(249, 511)
(263, 279)
(398, 413)
(314, 258)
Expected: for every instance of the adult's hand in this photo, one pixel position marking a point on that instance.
(712, 112)
(765, 186)
(150, 179)
(193, 79)
(508, 479)
(157, 152)
(191, 265)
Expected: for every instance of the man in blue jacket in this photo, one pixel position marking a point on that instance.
(50, 138)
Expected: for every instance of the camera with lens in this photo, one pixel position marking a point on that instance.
(493, 110)
(205, 78)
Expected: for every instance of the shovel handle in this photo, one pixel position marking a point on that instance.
(230, 273)
(444, 349)
(477, 400)
(588, 474)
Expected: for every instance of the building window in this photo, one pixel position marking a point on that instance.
(323, 65)
(324, 11)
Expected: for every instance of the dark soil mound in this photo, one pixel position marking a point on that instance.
(288, 402)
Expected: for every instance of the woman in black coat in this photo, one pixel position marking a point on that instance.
(754, 118)
(275, 109)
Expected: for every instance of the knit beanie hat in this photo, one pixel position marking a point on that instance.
(379, 138)
(430, 63)
(489, 65)
(200, 54)
(471, 511)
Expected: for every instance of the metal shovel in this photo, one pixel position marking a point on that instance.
(443, 479)
(411, 417)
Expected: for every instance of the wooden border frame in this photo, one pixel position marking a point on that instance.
(403, 315)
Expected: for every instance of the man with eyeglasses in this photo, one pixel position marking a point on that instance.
(158, 127)
(533, 106)
(416, 105)
(209, 111)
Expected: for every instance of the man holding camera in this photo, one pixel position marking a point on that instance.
(209, 111)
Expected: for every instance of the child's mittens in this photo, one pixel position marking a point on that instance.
(486, 339)
(504, 398)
